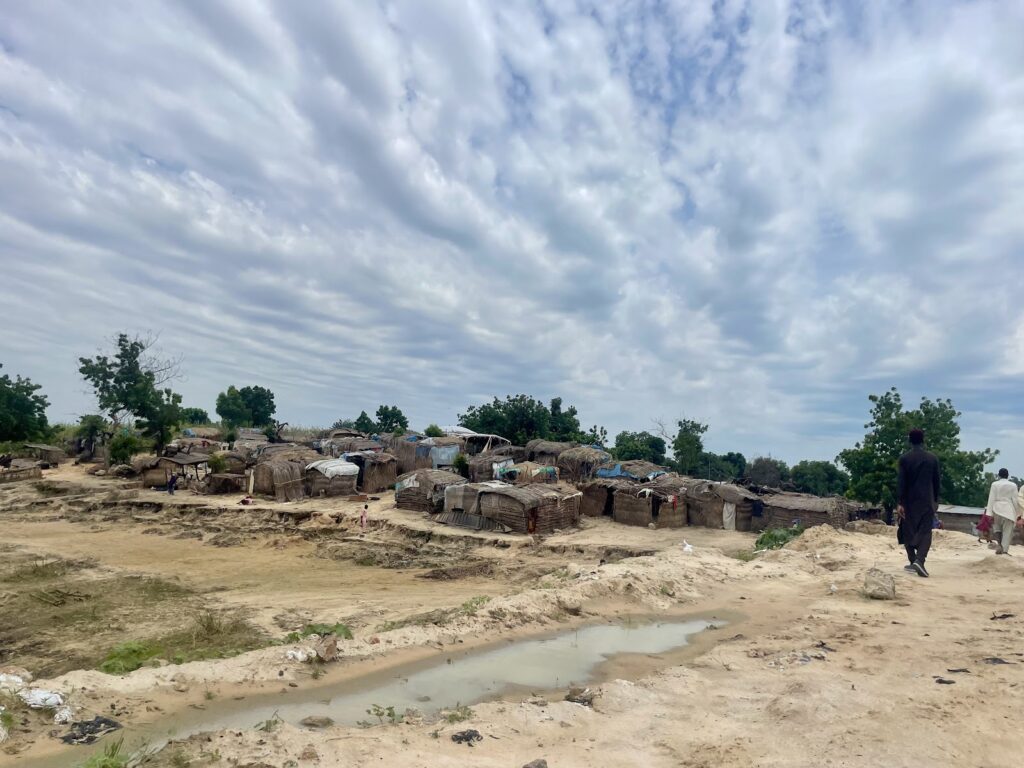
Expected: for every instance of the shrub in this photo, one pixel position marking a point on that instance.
(433, 431)
(124, 446)
(774, 538)
(217, 463)
(461, 465)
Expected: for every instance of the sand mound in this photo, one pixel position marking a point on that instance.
(993, 563)
(819, 537)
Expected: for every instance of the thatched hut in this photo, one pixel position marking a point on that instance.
(281, 479)
(235, 462)
(530, 508)
(599, 496)
(408, 452)
(423, 489)
(378, 471)
(661, 503)
(528, 472)
(576, 465)
(721, 505)
(546, 451)
(517, 452)
(225, 482)
(338, 447)
(781, 510)
(47, 454)
(486, 466)
(462, 507)
(330, 477)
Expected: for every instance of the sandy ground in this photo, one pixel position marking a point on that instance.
(809, 671)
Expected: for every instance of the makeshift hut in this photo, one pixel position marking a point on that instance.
(195, 445)
(408, 452)
(486, 466)
(47, 454)
(474, 444)
(635, 469)
(599, 496)
(339, 446)
(225, 482)
(331, 477)
(530, 508)
(377, 470)
(781, 510)
(423, 489)
(517, 452)
(443, 450)
(462, 507)
(235, 462)
(281, 479)
(185, 465)
(577, 465)
(528, 472)
(546, 451)
(149, 470)
(335, 434)
(661, 503)
(250, 443)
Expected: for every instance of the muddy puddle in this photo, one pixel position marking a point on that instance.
(443, 682)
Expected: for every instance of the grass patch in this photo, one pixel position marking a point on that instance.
(746, 555)
(474, 604)
(339, 629)
(112, 756)
(774, 538)
(39, 569)
(211, 636)
(458, 715)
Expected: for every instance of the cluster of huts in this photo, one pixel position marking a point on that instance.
(537, 488)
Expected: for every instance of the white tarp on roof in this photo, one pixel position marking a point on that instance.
(457, 431)
(334, 468)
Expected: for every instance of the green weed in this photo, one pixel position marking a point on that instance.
(112, 756)
(775, 538)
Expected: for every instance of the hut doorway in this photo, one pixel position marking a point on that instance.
(655, 507)
(609, 503)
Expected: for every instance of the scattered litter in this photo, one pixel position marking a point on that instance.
(11, 682)
(687, 547)
(300, 654)
(960, 671)
(994, 660)
(821, 644)
(998, 616)
(467, 737)
(4, 733)
(944, 681)
(326, 648)
(88, 731)
(833, 588)
(63, 715)
(37, 698)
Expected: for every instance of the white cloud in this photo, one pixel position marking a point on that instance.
(754, 214)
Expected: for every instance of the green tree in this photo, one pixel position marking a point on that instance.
(123, 446)
(564, 426)
(344, 424)
(520, 418)
(161, 419)
(872, 462)
(391, 419)
(231, 407)
(126, 383)
(596, 436)
(194, 416)
(822, 478)
(765, 470)
(728, 466)
(91, 430)
(259, 401)
(433, 431)
(688, 446)
(365, 424)
(22, 409)
(639, 445)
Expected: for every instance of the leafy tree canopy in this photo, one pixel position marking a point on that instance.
(688, 446)
(127, 383)
(246, 407)
(726, 466)
(872, 462)
(433, 431)
(822, 478)
(344, 424)
(22, 409)
(522, 418)
(194, 416)
(639, 445)
(391, 419)
(765, 470)
(365, 424)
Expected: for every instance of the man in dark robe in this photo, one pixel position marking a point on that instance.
(918, 497)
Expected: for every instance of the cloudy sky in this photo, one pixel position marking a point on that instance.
(754, 214)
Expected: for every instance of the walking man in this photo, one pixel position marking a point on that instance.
(918, 501)
(1004, 509)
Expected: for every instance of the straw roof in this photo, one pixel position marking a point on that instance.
(548, 447)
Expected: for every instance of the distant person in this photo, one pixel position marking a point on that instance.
(362, 516)
(918, 497)
(172, 484)
(1004, 508)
